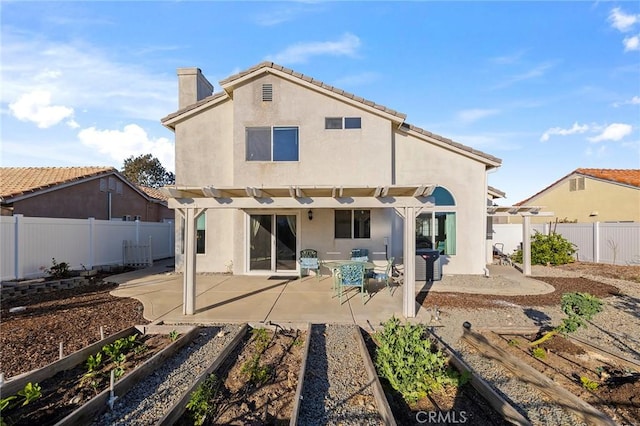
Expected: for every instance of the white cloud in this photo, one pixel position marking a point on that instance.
(471, 115)
(347, 45)
(82, 76)
(576, 128)
(36, 107)
(621, 21)
(633, 101)
(631, 43)
(613, 132)
(132, 140)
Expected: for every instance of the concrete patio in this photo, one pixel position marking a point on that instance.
(255, 299)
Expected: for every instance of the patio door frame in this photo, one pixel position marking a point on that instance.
(247, 250)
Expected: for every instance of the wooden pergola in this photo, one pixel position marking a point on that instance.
(407, 200)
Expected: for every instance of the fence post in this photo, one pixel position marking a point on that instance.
(137, 231)
(91, 223)
(18, 262)
(596, 242)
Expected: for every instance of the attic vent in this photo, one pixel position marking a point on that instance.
(267, 92)
(576, 184)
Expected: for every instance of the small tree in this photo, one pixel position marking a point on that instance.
(146, 170)
(550, 249)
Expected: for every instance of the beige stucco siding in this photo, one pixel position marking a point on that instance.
(421, 162)
(204, 155)
(326, 157)
(611, 201)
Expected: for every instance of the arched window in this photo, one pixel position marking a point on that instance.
(443, 197)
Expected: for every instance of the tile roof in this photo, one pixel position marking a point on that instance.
(624, 176)
(16, 181)
(153, 192)
(271, 65)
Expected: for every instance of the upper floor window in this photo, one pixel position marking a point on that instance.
(272, 144)
(352, 224)
(342, 123)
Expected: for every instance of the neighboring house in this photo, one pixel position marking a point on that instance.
(589, 195)
(277, 162)
(78, 193)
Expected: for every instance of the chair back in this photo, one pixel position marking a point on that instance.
(352, 274)
(389, 268)
(360, 255)
(308, 254)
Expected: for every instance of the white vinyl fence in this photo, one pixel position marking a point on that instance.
(615, 243)
(28, 244)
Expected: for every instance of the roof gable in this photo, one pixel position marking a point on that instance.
(629, 177)
(229, 84)
(24, 182)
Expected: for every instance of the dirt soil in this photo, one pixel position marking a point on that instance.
(567, 362)
(266, 399)
(620, 272)
(31, 339)
(70, 389)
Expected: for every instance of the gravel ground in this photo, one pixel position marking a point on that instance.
(148, 401)
(616, 328)
(336, 388)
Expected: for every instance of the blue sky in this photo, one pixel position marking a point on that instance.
(546, 86)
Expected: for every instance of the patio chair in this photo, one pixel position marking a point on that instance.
(309, 261)
(351, 275)
(386, 275)
(360, 255)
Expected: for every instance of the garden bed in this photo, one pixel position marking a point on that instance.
(257, 383)
(88, 378)
(608, 383)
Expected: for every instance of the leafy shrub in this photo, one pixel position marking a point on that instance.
(200, 403)
(579, 308)
(407, 359)
(58, 270)
(550, 249)
(539, 353)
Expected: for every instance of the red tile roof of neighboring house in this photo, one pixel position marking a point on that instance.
(16, 181)
(270, 65)
(624, 176)
(153, 192)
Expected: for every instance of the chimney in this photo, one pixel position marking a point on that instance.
(192, 86)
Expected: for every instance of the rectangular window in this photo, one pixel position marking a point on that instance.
(352, 123)
(333, 123)
(201, 225)
(352, 224)
(272, 144)
(437, 231)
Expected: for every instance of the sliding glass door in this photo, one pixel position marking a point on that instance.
(272, 242)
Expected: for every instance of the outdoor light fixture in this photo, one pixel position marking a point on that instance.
(310, 214)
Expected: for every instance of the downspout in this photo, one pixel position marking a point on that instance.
(108, 206)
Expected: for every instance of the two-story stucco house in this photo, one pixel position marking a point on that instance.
(276, 162)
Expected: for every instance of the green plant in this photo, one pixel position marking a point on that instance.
(118, 372)
(261, 338)
(58, 270)
(140, 349)
(200, 402)
(4, 404)
(550, 249)
(588, 383)
(94, 361)
(173, 335)
(258, 374)
(539, 353)
(579, 308)
(407, 359)
(514, 342)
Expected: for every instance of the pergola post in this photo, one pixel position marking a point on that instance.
(190, 216)
(409, 257)
(526, 245)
